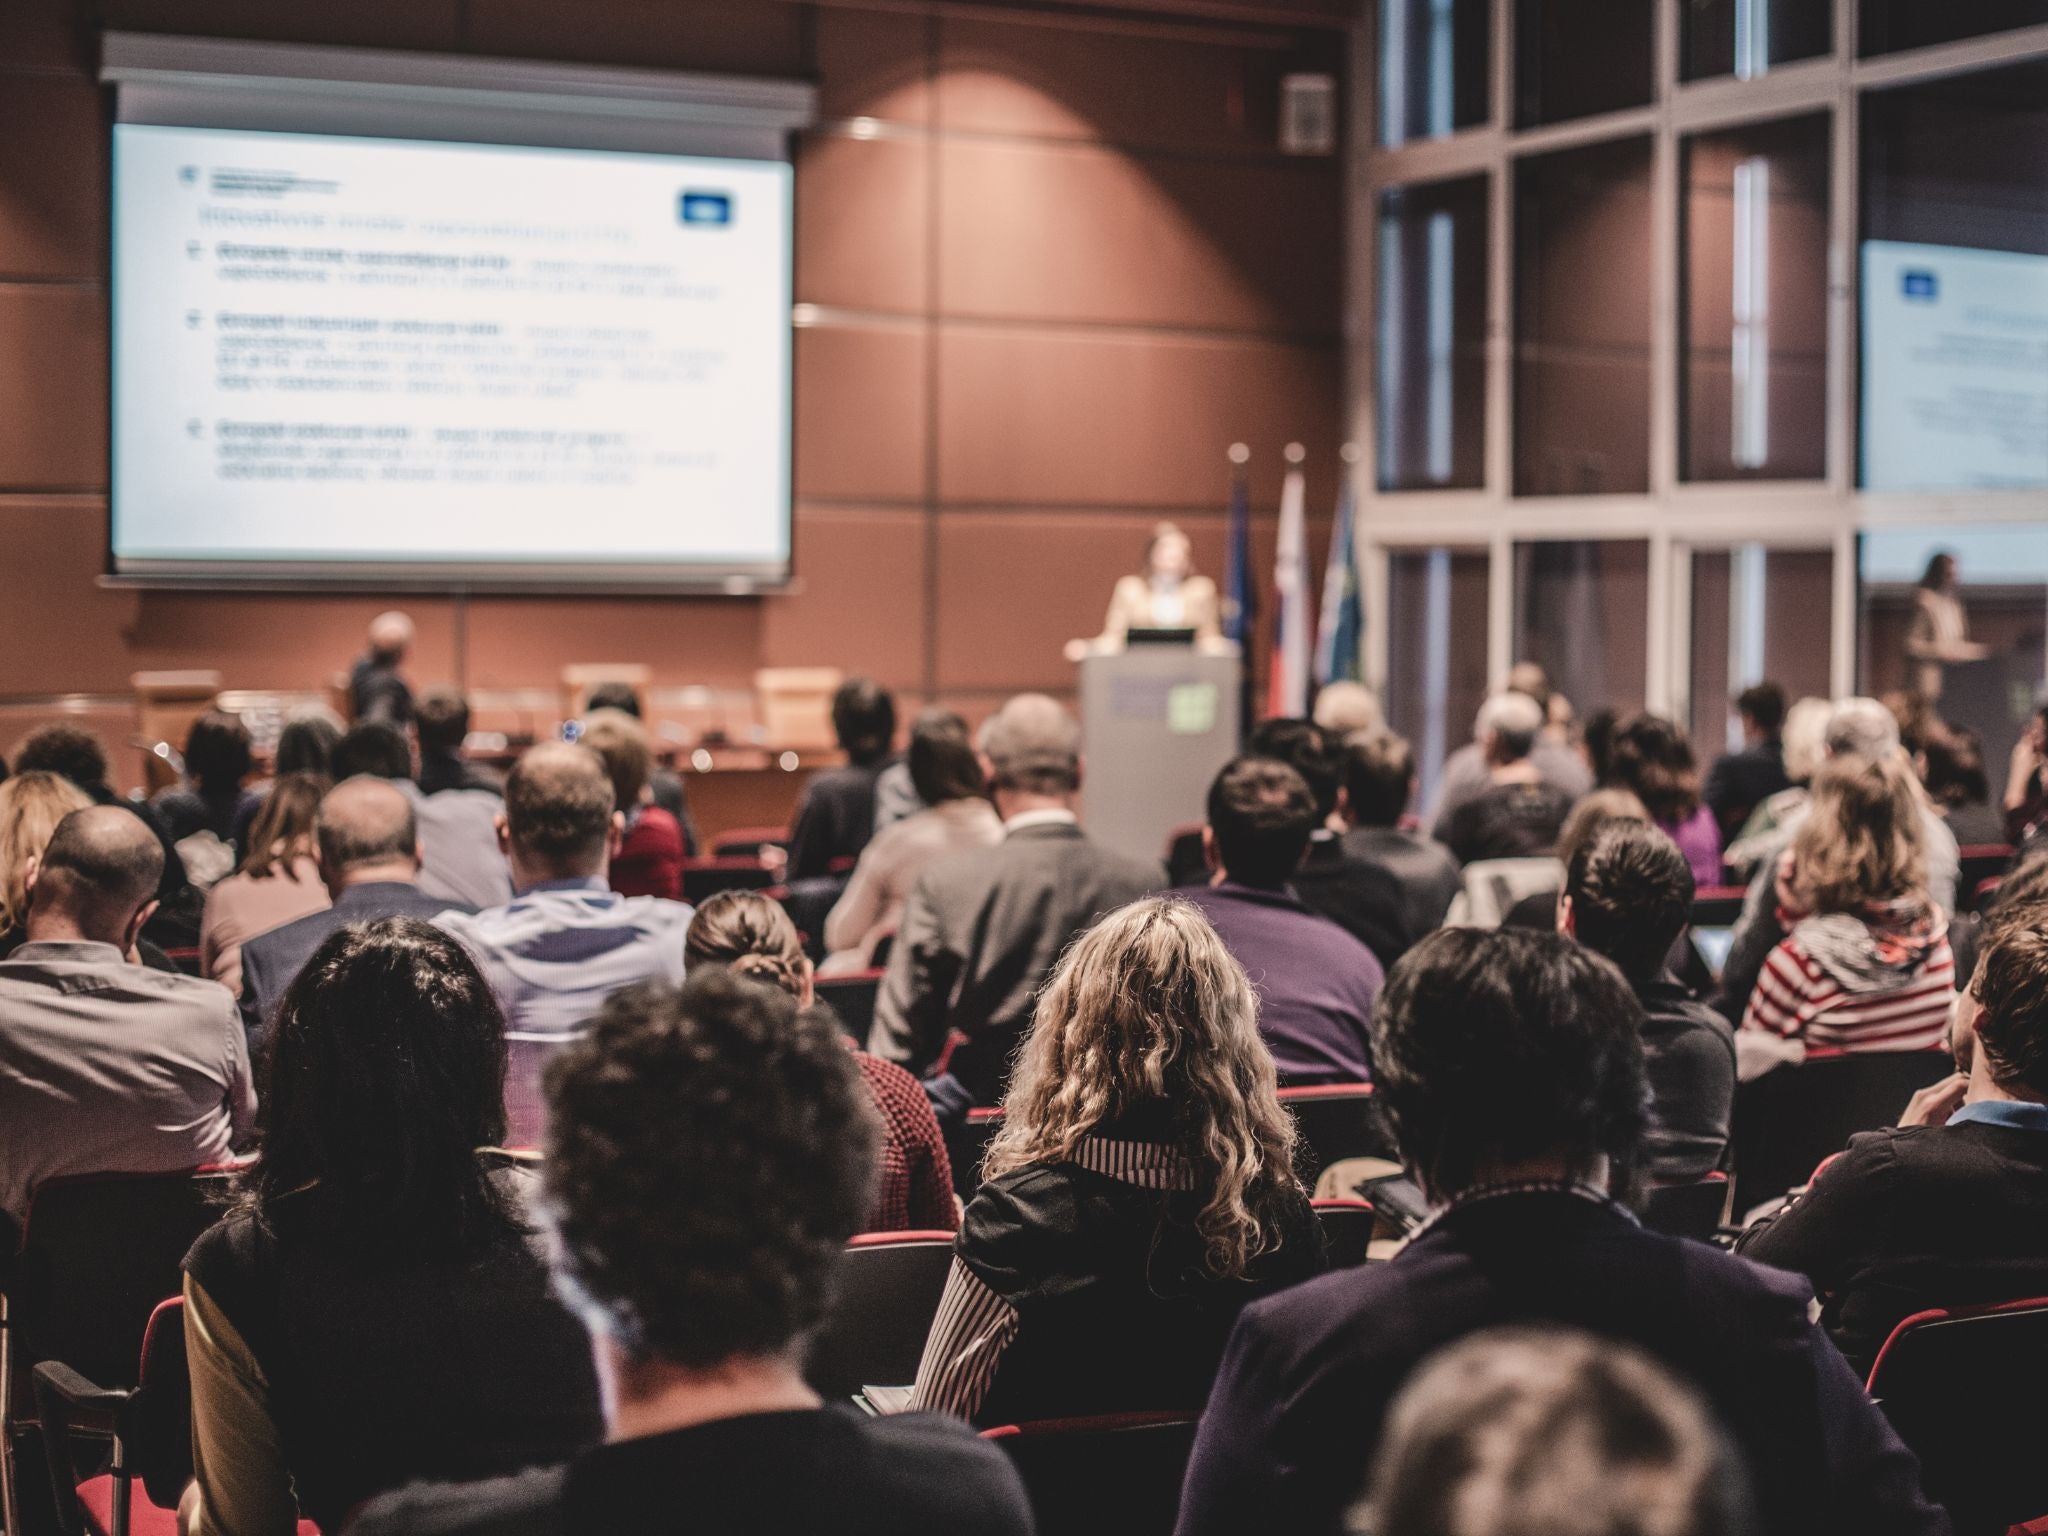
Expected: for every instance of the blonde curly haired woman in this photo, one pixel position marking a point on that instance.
(31, 805)
(1140, 1192)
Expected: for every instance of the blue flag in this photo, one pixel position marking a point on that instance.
(1342, 620)
(1240, 586)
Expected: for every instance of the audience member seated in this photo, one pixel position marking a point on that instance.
(1379, 782)
(1865, 962)
(1857, 728)
(305, 745)
(31, 806)
(983, 930)
(1950, 1209)
(2026, 784)
(835, 816)
(567, 940)
(1467, 774)
(1549, 1432)
(749, 934)
(377, 690)
(76, 754)
(1804, 740)
(1362, 899)
(459, 854)
(1537, 908)
(1741, 781)
(664, 785)
(1952, 770)
(1315, 983)
(211, 798)
(442, 726)
(649, 861)
(1652, 759)
(108, 1066)
(957, 817)
(1628, 896)
(1346, 709)
(278, 883)
(710, 1154)
(1517, 813)
(1511, 1067)
(370, 867)
(1140, 1192)
(374, 1308)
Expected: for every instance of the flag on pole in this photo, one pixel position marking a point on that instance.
(1341, 620)
(1240, 590)
(1287, 679)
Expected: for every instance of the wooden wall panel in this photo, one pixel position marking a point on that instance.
(752, 37)
(860, 604)
(60, 632)
(862, 207)
(860, 413)
(53, 388)
(433, 25)
(52, 203)
(872, 64)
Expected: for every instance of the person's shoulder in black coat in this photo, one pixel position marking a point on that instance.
(1363, 899)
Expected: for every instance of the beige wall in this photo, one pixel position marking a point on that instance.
(1062, 272)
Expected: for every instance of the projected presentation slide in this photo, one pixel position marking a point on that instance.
(1955, 368)
(343, 351)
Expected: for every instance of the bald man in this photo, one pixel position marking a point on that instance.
(983, 929)
(566, 941)
(369, 846)
(376, 690)
(106, 1065)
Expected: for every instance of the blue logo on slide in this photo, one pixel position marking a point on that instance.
(707, 208)
(1920, 285)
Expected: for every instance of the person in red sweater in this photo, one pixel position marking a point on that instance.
(749, 934)
(650, 857)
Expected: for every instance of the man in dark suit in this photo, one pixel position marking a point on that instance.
(836, 816)
(1363, 900)
(1950, 1208)
(1739, 782)
(1511, 1065)
(377, 690)
(983, 929)
(370, 860)
(1379, 782)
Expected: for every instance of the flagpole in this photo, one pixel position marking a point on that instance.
(1240, 601)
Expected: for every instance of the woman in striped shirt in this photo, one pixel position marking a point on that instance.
(1865, 964)
(1141, 1191)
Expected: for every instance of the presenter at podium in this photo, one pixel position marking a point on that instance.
(1166, 596)
(1939, 633)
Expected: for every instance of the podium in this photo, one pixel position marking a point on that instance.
(1158, 722)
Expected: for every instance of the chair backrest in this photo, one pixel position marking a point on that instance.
(967, 1144)
(1977, 863)
(1687, 1210)
(1717, 906)
(1347, 1230)
(1114, 1475)
(98, 1252)
(705, 878)
(853, 999)
(747, 842)
(159, 1439)
(1336, 1121)
(1790, 1118)
(1492, 887)
(889, 1289)
(1953, 1385)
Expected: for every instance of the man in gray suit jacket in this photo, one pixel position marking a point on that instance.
(370, 859)
(983, 929)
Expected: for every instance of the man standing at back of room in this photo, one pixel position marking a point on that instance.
(983, 929)
(376, 688)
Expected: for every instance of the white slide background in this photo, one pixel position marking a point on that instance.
(1955, 368)
(342, 349)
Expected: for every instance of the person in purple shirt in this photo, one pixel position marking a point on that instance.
(1652, 757)
(1316, 983)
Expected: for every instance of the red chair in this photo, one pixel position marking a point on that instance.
(747, 842)
(1958, 1386)
(98, 1252)
(1347, 1230)
(1115, 1474)
(705, 878)
(853, 999)
(1688, 1210)
(889, 1289)
(1977, 865)
(1717, 906)
(1336, 1121)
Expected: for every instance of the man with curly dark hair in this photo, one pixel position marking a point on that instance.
(710, 1150)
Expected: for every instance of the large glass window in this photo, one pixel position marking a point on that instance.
(1435, 63)
(1747, 38)
(1758, 615)
(1955, 283)
(1582, 320)
(1431, 336)
(1886, 26)
(1436, 653)
(1575, 58)
(1756, 303)
(1582, 608)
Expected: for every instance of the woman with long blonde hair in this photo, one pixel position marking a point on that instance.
(31, 805)
(1141, 1190)
(1865, 963)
